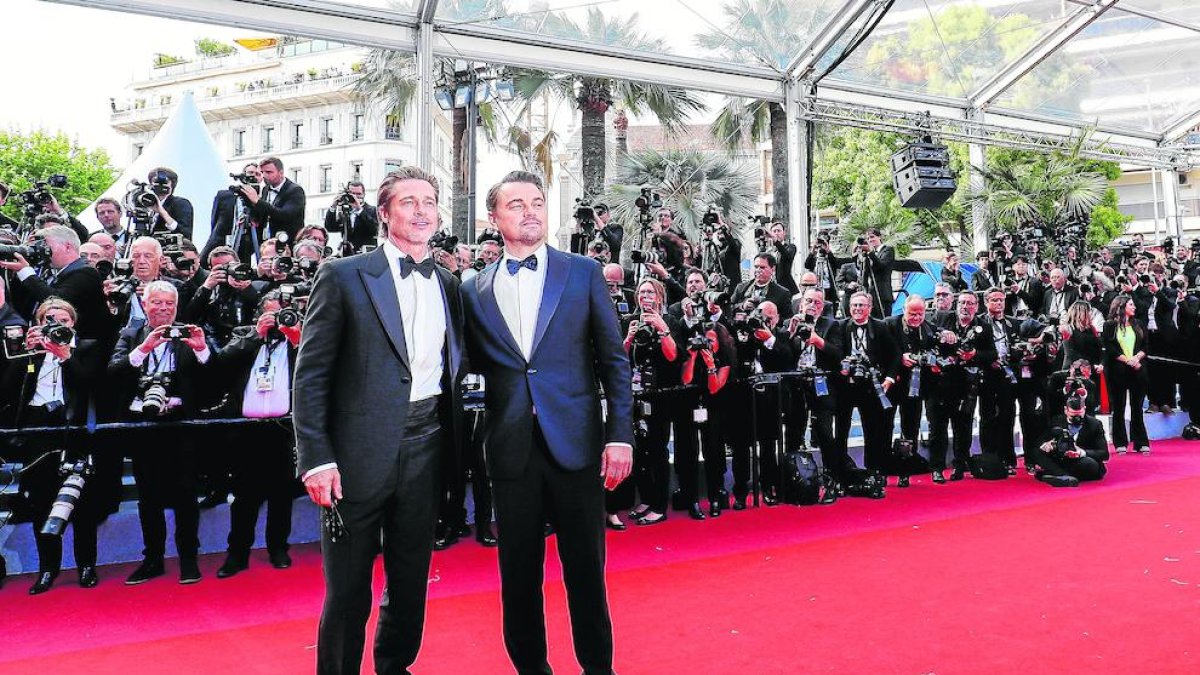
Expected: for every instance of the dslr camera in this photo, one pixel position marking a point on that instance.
(75, 474)
(38, 196)
(155, 396)
(238, 271)
(126, 284)
(36, 253)
(1063, 443)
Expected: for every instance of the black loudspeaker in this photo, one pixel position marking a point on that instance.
(922, 176)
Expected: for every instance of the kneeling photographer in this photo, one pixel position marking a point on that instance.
(158, 371)
(45, 382)
(650, 341)
(1074, 450)
(259, 363)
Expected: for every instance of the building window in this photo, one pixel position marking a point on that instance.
(393, 129)
(326, 184)
(326, 131)
(297, 135)
(358, 124)
(268, 139)
(356, 171)
(297, 175)
(239, 142)
(390, 165)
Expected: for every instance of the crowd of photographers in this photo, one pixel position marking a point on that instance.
(135, 324)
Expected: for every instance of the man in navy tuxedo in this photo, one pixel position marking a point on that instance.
(541, 329)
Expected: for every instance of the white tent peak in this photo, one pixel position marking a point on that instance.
(184, 145)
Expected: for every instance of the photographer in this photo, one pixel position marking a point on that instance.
(280, 206)
(228, 205)
(1081, 328)
(174, 213)
(943, 302)
(1025, 290)
(357, 220)
(762, 347)
(1075, 449)
(983, 278)
(183, 265)
(157, 370)
(653, 352)
(490, 251)
(50, 388)
(598, 250)
(969, 346)
(70, 279)
(951, 274)
(1124, 341)
(874, 261)
(870, 358)
(816, 344)
(52, 210)
(763, 288)
(607, 231)
(96, 257)
(917, 380)
(1162, 339)
(226, 300)
(825, 264)
(722, 250)
(270, 273)
(1078, 380)
(622, 298)
(259, 364)
(998, 389)
(707, 363)
(1058, 297)
(124, 290)
(785, 253)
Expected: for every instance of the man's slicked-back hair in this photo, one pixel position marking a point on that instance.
(388, 186)
(513, 177)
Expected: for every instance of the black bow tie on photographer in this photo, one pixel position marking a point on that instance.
(424, 268)
(515, 266)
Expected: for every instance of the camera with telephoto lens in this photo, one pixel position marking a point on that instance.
(57, 333)
(154, 398)
(36, 253)
(237, 271)
(1062, 441)
(75, 474)
(747, 323)
(967, 342)
(860, 241)
(478, 264)
(125, 283)
(284, 264)
(648, 257)
(38, 196)
(443, 240)
(1024, 350)
(307, 266)
(698, 338)
(346, 199)
(856, 366)
(928, 359)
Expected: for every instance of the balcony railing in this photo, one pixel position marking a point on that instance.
(253, 95)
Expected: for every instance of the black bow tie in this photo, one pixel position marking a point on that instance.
(424, 268)
(515, 266)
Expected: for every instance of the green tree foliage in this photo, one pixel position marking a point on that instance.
(210, 48)
(25, 158)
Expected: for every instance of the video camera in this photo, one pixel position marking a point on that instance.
(443, 240)
(38, 196)
(243, 180)
(141, 204)
(126, 284)
(585, 213)
(647, 201)
(36, 253)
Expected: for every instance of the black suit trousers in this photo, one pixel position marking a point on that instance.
(164, 468)
(263, 472)
(1131, 392)
(998, 416)
(804, 407)
(405, 513)
(877, 434)
(574, 502)
(693, 438)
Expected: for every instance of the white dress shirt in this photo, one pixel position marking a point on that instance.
(49, 383)
(520, 298)
(268, 389)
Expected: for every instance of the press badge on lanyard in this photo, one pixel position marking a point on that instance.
(700, 415)
(265, 378)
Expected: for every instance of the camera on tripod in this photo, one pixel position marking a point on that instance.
(646, 201)
(141, 204)
(75, 474)
(38, 196)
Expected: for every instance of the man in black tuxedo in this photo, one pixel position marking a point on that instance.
(984, 277)
(785, 252)
(613, 234)
(998, 390)
(1059, 297)
(814, 396)
(968, 342)
(164, 461)
(226, 210)
(378, 417)
(764, 288)
(363, 226)
(1025, 290)
(71, 279)
(280, 206)
(866, 338)
(542, 333)
(875, 261)
(951, 273)
(1083, 460)
(917, 382)
(825, 264)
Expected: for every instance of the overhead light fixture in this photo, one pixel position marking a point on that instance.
(444, 100)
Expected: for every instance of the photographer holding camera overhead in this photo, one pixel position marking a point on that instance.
(47, 385)
(55, 250)
(351, 215)
(875, 260)
(785, 253)
(1074, 450)
(174, 213)
(157, 368)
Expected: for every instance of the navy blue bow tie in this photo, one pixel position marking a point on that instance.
(424, 268)
(515, 266)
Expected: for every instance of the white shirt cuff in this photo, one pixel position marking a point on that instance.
(618, 444)
(203, 355)
(770, 343)
(137, 357)
(318, 469)
(24, 273)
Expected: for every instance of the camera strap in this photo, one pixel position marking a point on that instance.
(914, 384)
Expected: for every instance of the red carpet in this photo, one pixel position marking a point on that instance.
(968, 577)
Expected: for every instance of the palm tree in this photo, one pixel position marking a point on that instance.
(690, 181)
(593, 96)
(770, 32)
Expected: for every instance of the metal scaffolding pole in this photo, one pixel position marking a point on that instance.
(799, 141)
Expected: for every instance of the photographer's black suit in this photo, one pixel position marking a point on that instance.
(998, 394)
(1126, 386)
(181, 211)
(1090, 439)
(913, 341)
(878, 279)
(960, 392)
(351, 407)
(363, 231)
(1069, 295)
(224, 211)
(785, 255)
(881, 352)
(77, 283)
(285, 213)
(738, 397)
(772, 292)
(833, 265)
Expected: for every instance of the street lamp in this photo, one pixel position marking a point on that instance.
(468, 86)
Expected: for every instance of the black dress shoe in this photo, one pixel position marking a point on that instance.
(769, 498)
(939, 477)
(88, 577)
(615, 525)
(1011, 469)
(958, 474)
(44, 581)
(739, 503)
(149, 569)
(639, 514)
(189, 571)
(715, 508)
(695, 511)
(486, 538)
(280, 560)
(463, 530)
(232, 565)
(1061, 481)
(902, 481)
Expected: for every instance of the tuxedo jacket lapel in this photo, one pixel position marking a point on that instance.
(377, 278)
(485, 282)
(558, 265)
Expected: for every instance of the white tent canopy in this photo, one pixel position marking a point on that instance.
(184, 145)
